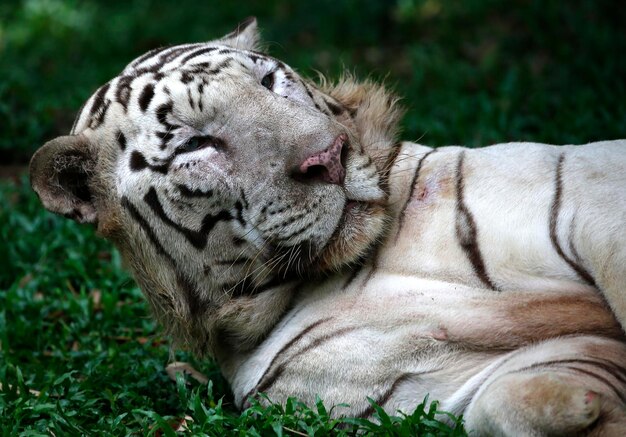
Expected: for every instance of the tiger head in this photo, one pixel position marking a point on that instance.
(223, 177)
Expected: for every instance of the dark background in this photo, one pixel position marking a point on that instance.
(471, 72)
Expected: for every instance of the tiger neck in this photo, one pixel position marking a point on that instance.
(249, 321)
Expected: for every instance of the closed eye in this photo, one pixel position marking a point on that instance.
(201, 142)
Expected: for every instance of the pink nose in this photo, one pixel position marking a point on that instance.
(325, 165)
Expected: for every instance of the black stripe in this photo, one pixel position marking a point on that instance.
(297, 232)
(164, 57)
(334, 108)
(282, 350)
(202, 69)
(98, 100)
(186, 77)
(466, 231)
(373, 268)
(148, 55)
(239, 214)
(100, 106)
(352, 277)
(146, 96)
(198, 239)
(615, 370)
(554, 217)
(197, 53)
(602, 379)
(255, 58)
(230, 262)
(186, 192)
(386, 170)
(123, 90)
(247, 288)
(411, 193)
(609, 367)
(384, 398)
(162, 111)
(165, 138)
(310, 94)
(196, 305)
(192, 105)
(138, 162)
(121, 140)
(143, 223)
(176, 52)
(263, 386)
(218, 68)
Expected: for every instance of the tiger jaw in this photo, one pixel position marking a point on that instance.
(359, 227)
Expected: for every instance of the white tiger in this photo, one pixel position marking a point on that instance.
(278, 227)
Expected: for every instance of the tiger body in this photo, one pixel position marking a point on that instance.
(425, 317)
(278, 227)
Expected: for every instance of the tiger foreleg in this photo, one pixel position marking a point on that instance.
(522, 404)
(564, 386)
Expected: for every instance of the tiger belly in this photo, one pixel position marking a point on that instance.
(397, 339)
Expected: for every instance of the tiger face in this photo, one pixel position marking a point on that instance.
(222, 175)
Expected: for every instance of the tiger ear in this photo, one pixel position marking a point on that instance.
(245, 36)
(60, 173)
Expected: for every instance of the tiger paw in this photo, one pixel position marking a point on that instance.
(557, 407)
(534, 405)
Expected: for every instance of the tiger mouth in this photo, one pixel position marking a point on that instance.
(348, 215)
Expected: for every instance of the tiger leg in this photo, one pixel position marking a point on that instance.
(560, 387)
(533, 405)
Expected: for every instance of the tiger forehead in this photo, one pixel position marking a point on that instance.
(201, 64)
(162, 69)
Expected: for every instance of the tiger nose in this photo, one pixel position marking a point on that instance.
(326, 165)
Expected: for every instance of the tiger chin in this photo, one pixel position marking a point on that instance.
(278, 226)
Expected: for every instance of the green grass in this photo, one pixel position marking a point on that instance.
(79, 354)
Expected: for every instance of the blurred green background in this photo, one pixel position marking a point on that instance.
(471, 72)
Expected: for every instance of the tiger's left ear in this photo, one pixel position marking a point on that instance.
(245, 37)
(61, 175)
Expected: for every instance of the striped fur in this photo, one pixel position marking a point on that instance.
(480, 277)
